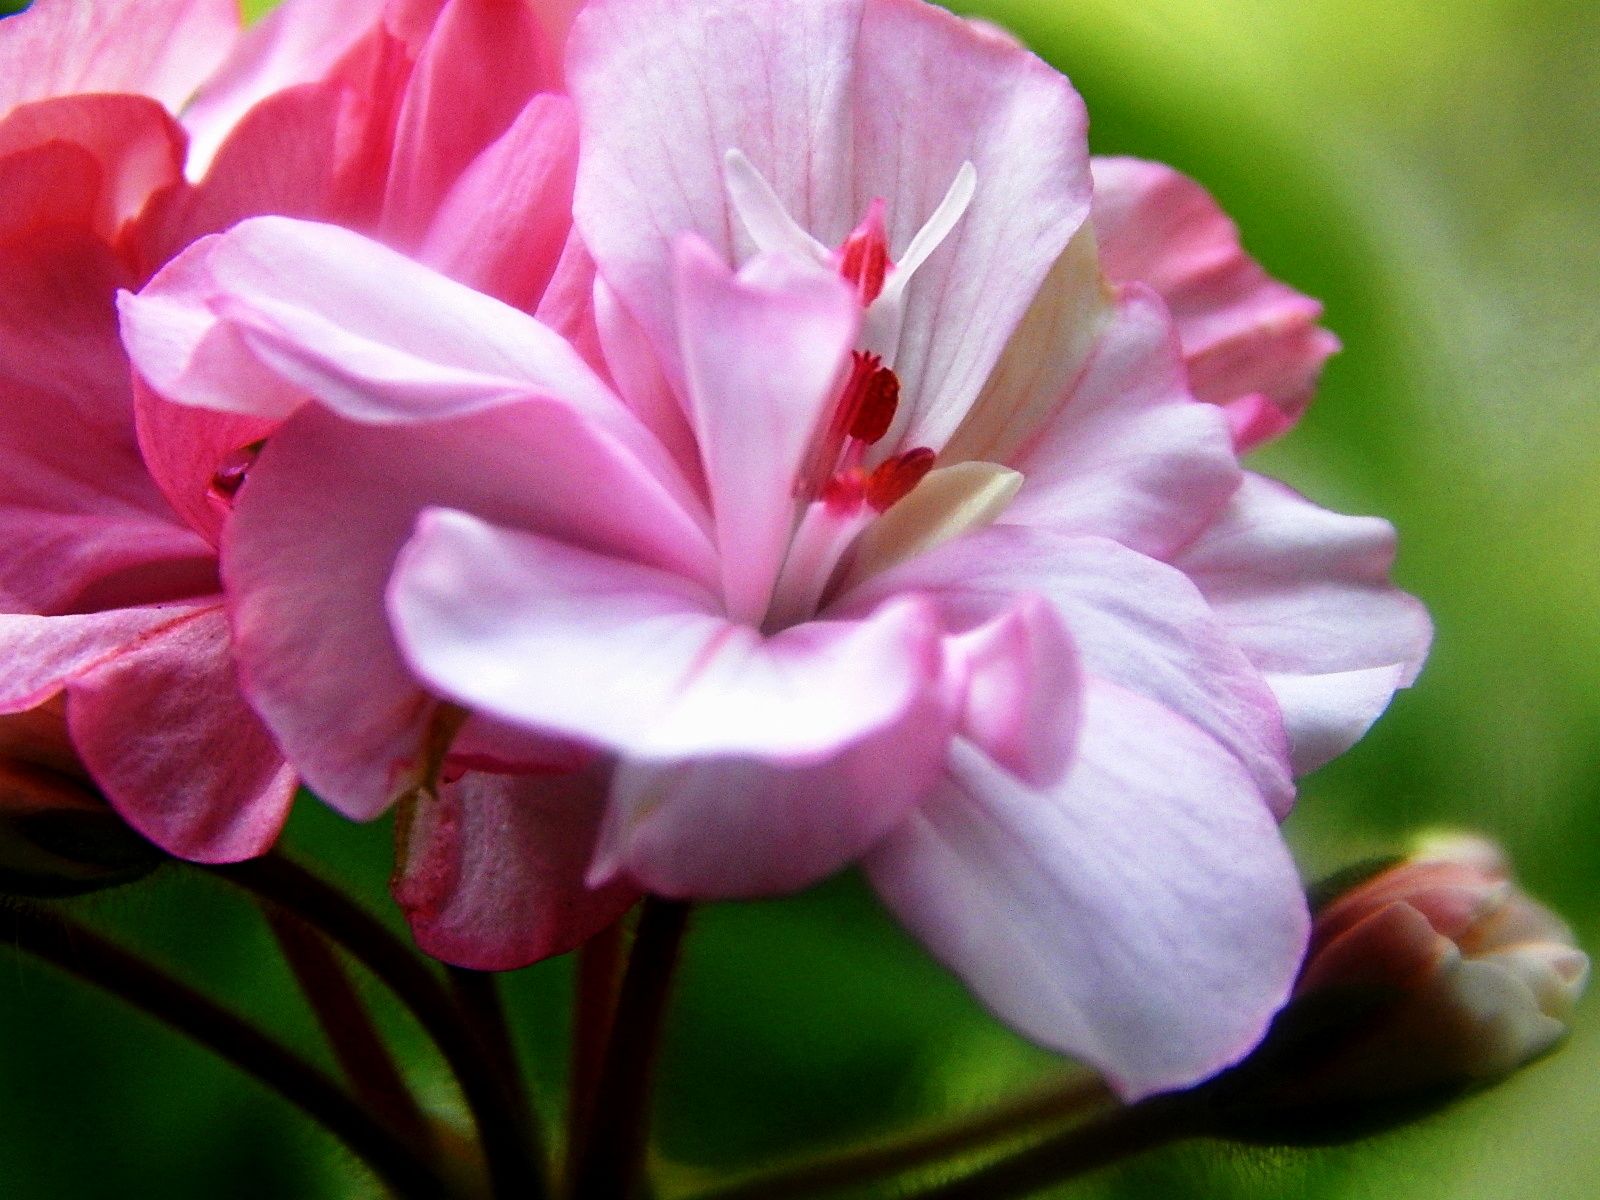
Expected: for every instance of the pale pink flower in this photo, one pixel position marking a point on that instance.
(112, 501)
(837, 501)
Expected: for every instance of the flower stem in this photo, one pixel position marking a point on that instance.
(79, 951)
(515, 1169)
(611, 1159)
(1118, 1134)
(862, 1165)
(351, 1035)
(479, 997)
(599, 968)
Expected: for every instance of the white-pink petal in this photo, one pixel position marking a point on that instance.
(764, 354)
(1306, 593)
(1142, 915)
(638, 660)
(1128, 454)
(739, 826)
(1136, 622)
(369, 332)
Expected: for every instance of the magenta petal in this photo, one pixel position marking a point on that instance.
(639, 660)
(491, 873)
(1129, 455)
(298, 42)
(1245, 336)
(184, 448)
(1142, 915)
(764, 354)
(166, 735)
(137, 147)
(503, 225)
(281, 158)
(456, 103)
(157, 48)
(732, 827)
(1306, 594)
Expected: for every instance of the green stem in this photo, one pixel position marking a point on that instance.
(81, 952)
(355, 1041)
(1116, 1135)
(611, 1160)
(862, 1165)
(514, 1170)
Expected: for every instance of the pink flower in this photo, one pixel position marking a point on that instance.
(837, 501)
(113, 501)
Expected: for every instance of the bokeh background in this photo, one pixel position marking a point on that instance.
(1431, 169)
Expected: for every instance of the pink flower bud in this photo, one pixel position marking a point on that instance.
(1425, 980)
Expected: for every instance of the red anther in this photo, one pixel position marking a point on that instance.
(864, 257)
(823, 460)
(875, 407)
(231, 472)
(844, 492)
(894, 478)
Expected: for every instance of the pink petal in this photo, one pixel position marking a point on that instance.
(369, 332)
(137, 147)
(1245, 336)
(740, 826)
(1306, 594)
(163, 730)
(313, 540)
(764, 353)
(481, 63)
(157, 48)
(491, 874)
(1129, 455)
(298, 42)
(503, 225)
(640, 660)
(1136, 622)
(1142, 915)
(40, 655)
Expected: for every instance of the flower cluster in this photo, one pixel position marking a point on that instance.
(680, 446)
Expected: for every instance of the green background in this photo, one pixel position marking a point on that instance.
(1430, 168)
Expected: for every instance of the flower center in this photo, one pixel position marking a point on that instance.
(857, 470)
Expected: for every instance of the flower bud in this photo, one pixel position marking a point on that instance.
(58, 837)
(1428, 978)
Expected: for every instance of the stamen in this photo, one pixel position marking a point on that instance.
(938, 227)
(764, 217)
(894, 478)
(876, 404)
(864, 257)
